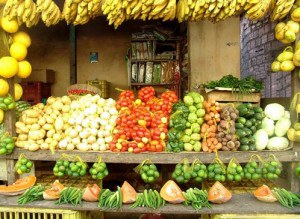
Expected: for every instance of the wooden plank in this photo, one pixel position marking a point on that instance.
(157, 158)
(293, 181)
(228, 96)
(239, 204)
(11, 175)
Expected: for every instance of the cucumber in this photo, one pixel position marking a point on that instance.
(252, 147)
(241, 120)
(248, 131)
(253, 128)
(249, 105)
(257, 109)
(251, 140)
(243, 111)
(239, 125)
(258, 116)
(248, 124)
(240, 133)
(244, 148)
(244, 141)
(250, 114)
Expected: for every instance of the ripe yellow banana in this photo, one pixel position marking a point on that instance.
(21, 9)
(46, 4)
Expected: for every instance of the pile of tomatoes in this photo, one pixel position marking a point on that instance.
(142, 123)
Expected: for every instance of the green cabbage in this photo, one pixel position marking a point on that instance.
(282, 126)
(261, 139)
(274, 111)
(278, 143)
(268, 125)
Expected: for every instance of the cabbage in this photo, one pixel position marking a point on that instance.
(278, 143)
(268, 125)
(274, 111)
(282, 126)
(261, 139)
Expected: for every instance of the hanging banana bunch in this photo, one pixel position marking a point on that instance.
(281, 9)
(50, 12)
(256, 10)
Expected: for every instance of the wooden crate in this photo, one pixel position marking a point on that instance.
(223, 96)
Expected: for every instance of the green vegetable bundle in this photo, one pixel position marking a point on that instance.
(148, 171)
(32, 194)
(182, 172)
(99, 170)
(149, 198)
(70, 195)
(196, 198)
(286, 198)
(109, 199)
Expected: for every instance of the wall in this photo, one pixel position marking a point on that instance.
(214, 50)
(259, 49)
(50, 50)
(111, 45)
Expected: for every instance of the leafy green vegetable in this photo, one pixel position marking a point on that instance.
(32, 194)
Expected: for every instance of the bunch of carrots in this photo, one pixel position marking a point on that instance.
(209, 127)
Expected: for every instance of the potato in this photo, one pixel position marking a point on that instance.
(48, 110)
(54, 116)
(66, 108)
(18, 131)
(20, 144)
(66, 100)
(50, 133)
(49, 120)
(35, 135)
(33, 147)
(48, 140)
(48, 127)
(19, 124)
(44, 146)
(39, 142)
(53, 144)
(32, 113)
(22, 137)
(35, 127)
(57, 137)
(42, 121)
(30, 121)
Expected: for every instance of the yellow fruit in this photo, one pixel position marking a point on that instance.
(296, 15)
(22, 37)
(290, 35)
(275, 66)
(9, 26)
(8, 67)
(1, 115)
(291, 134)
(2, 2)
(18, 91)
(279, 35)
(24, 69)
(279, 26)
(287, 66)
(4, 87)
(18, 51)
(293, 26)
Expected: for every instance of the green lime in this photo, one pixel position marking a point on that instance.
(255, 176)
(145, 168)
(3, 151)
(218, 170)
(75, 174)
(251, 170)
(201, 173)
(100, 175)
(232, 171)
(62, 168)
(153, 167)
(271, 169)
(248, 175)
(223, 178)
(105, 172)
(10, 146)
(239, 169)
(203, 167)
(179, 179)
(29, 164)
(178, 172)
(270, 176)
(211, 175)
(19, 171)
(258, 170)
(93, 171)
(196, 168)
(23, 168)
(274, 163)
(237, 178)
(151, 179)
(66, 163)
(55, 169)
(218, 177)
(198, 179)
(7, 101)
(74, 168)
(144, 176)
(100, 168)
(23, 160)
(28, 170)
(94, 176)
(253, 164)
(82, 172)
(230, 177)
(277, 171)
(298, 169)
(211, 168)
(187, 176)
(194, 174)
(59, 162)
(150, 172)
(174, 175)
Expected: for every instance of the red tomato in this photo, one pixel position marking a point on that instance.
(127, 94)
(170, 96)
(146, 93)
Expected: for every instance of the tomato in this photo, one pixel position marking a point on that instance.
(124, 103)
(160, 119)
(127, 94)
(146, 93)
(169, 96)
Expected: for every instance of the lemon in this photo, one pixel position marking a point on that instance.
(18, 91)
(8, 67)
(9, 26)
(1, 116)
(22, 37)
(4, 87)
(24, 69)
(18, 51)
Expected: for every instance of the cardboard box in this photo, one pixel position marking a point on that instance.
(43, 75)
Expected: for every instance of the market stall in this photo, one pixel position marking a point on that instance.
(164, 144)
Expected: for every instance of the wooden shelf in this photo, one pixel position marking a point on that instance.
(239, 204)
(144, 84)
(153, 60)
(157, 158)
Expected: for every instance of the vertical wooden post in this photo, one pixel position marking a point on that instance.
(73, 55)
(9, 116)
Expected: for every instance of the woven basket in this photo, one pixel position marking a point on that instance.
(88, 89)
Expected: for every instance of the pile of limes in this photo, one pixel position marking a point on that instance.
(149, 173)
(99, 170)
(271, 170)
(199, 172)
(216, 172)
(7, 103)
(23, 165)
(252, 170)
(73, 168)
(182, 173)
(7, 145)
(235, 172)
(297, 170)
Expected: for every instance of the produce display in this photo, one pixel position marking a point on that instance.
(182, 172)
(70, 195)
(18, 187)
(286, 32)
(247, 124)
(196, 198)
(174, 197)
(74, 168)
(91, 193)
(246, 85)
(218, 193)
(148, 172)
(109, 199)
(199, 171)
(234, 171)
(284, 61)
(32, 194)
(209, 128)
(142, 124)
(7, 103)
(226, 129)
(253, 169)
(216, 171)
(264, 194)
(99, 170)
(53, 193)
(286, 198)
(7, 144)
(23, 165)
(149, 198)
(21, 106)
